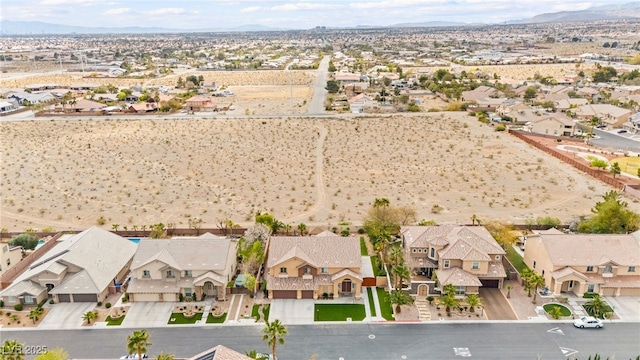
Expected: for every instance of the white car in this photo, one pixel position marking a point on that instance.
(133, 357)
(588, 322)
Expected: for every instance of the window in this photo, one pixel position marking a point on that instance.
(324, 270)
(542, 272)
(446, 264)
(497, 257)
(414, 250)
(475, 265)
(11, 299)
(433, 252)
(28, 299)
(460, 290)
(187, 292)
(8, 262)
(607, 269)
(283, 270)
(170, 274)
(632, 269)
(187, 273)
(591, 288)
(589, 268)
(146, 273)
(307, 270)
(534, 264)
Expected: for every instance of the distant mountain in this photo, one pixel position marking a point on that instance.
(606, 12)
(8, 27)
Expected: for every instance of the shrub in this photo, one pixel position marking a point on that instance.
(180, 297)
(51, 302)
(99, 303)
(41, 304)
(1, 303)
(589, 295)
(17, 307)
(361, 231)
(27, 241)
(430, 299)
(107, 305)
(500, 128)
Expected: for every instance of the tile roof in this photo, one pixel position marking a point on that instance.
(566, 271)
(622, 282)
(462, 242)
(318, 251)
(457, 277)
(220, 352)
(297, 283)
(591, 249)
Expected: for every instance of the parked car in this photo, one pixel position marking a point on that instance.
(622, 131)
(588, 322)
(133, 357)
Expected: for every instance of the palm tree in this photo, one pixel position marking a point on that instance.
(596, 306)
(509, 287)
(287, 228)
(35, 313)
(395, 255)
(536, 281)
(400, 297)
(274, 331)
(555, 312)
(378, 202)
(256, 355)
(526, 275)
(165, 356)
(276, 225)
(138, 342)
(449, 301)
(12, 350)
(401, 272)
(473, 219)
(449, 289)
(474, 301)
(115, 227)
(302, 228)
(89, 316)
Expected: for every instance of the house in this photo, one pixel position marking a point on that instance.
(26, 98)
(358, 103)
(633, 125)
(563, 105)
(162, 270)
(556, 124)
(85, 267)
(142, 108)
(610, 115)
(7, 107)
(9, 256)
(81, 106)
(200, 103)
(312, 267)
(220, 352)
(606, 264)
(481, 92)
(347, 78)
(465, 256)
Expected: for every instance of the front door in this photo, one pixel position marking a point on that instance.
(570, 287)
(346, 286)
(422, 290)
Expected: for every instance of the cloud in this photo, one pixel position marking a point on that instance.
(251, 9)
(70, 2)
(117, 11)
(305, 6)
(390, 4)
(166, 11)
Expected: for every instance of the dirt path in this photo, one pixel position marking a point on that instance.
(319, 183)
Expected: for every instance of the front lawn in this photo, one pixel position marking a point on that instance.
(363, 247)
(515, 259)
(339, 312)
(378, 269)
(564, 311)
(179, 318)
(385, 304)
(256, 312)
(114, 322)
(216, 320)
(372, 304)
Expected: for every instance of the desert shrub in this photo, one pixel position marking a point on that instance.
(501, 128)
(107, 305)
(27, 241)
(51, 302)
(17, 307)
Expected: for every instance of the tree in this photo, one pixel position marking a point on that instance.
(530, 93)
(274, 332)
(251, 254)
(35, 313)
(53, 354)
(257, 232)
(401, 272)
(449, 301)
(332, 87)
(89, 316)
(597, 162)
(195, 223)
(474, 218)
(474, 301)
(27, 241)
(303, 228)
(395, 255)
(138, 342)
(115, 227)
(503, 233)
(249, 282)
(256, 355)
(611, 217)
(332, 67)
(12, 350)
(597, 307)
(509, 287)
(615, 169)
(555, 312)
(526, 275)
(165, 356)
(536, 281)
(399, 297)
(158, 231)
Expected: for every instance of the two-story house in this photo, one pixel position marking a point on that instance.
(308, 267)
(85, 267)
(161, 270)
(607, 264)
(467, 257)
(9, 256)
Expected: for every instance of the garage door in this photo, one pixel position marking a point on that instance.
(85, 298)
(64, 298)
(149, 297)
(493, 284)
(630, 292)
(285, 294)
(307, 294)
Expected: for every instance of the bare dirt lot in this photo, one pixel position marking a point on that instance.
(67, 174)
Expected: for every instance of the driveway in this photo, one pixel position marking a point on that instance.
(292, 311)
(496, 306)
(148, 314)
(626, 307)
(66, 315)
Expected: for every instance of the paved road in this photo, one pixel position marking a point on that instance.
(316, 106)
(610, 140)
(496, 305)
(352, 341)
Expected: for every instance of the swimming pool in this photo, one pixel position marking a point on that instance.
(134, 240)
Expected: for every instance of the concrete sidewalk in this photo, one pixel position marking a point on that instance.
(292, 311)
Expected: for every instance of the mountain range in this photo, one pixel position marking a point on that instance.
(608, 12)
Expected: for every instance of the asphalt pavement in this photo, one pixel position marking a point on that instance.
(316, 106)
(440, 340)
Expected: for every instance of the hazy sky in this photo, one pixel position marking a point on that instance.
(290, 14)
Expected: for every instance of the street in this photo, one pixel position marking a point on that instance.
(316, 106)
(444, 340)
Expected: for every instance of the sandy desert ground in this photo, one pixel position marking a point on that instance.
(67, 174)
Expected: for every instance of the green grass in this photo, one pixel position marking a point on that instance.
(339, 312)
(372, 305)
(385, 304)
(589, 295)
(363, 247)
(114, 322)
(180, 319)
(266, 311)
(377, 266)
(255, 313)
(516, 259)
(216, 320)
(564, 310)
